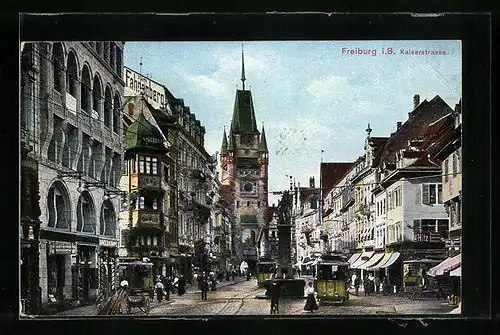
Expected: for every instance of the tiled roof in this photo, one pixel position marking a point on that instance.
(331, 173)
(415, 127)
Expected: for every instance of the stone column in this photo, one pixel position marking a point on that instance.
(112, 56)
(45, 107)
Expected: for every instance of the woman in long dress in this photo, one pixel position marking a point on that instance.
(311, 304)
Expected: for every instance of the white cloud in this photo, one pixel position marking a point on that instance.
(209, 84)
(325, 86)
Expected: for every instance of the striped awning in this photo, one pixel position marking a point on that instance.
(394, 257)
(363, 259)
(384, 260)
(372, 261)
(354, 258)
(448, 264)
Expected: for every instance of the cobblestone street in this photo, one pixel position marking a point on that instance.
(245, 298)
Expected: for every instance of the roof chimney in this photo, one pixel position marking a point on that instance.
(311, 182)
(398, 124)
(416, 100)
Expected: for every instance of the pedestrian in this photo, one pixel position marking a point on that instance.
(248, 275)
(275, 297)
(356, 285)
(311, 303)
(377, 284)
(181, 286)
(298, 272)
(385, 286)
(233, 274)
(151, 292)
(204, 286)
(366, 286)
(168, 287)
(159, 290)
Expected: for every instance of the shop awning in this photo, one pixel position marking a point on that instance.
(354, 258)
(457, 272)
(372, 261)
(448, 264)
(363, 259)
(394, 257)
(384, 260)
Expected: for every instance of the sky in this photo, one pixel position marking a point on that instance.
(310, 95)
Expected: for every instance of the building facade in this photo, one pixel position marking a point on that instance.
(71, 102)
(244, 161)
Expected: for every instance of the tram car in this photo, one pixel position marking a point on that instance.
(138, 273)
(266, 270)
(332, 273)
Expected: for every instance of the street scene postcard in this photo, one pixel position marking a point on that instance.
(228, 178)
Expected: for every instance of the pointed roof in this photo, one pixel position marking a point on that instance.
(243, 121)
(223, 148)
(230, 146)
(144, 135)
(263, 142)
(243, 67)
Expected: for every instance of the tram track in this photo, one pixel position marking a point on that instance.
(234, 299)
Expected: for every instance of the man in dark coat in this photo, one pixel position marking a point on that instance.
(168, 287)
(181, 285)
(204, 286)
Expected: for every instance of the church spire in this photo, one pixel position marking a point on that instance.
(242, 67)
(223, 148)
(263, 142)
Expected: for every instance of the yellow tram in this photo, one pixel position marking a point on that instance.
(265, 271)
(331, 279)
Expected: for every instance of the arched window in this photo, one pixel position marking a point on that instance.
(72, 74)
(85, 214)
(96, 96)
(107, 107)
(58, 66)
(108, 219)
(86, 90)
(59, 210)
(116, 113)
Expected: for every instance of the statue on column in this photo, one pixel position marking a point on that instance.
(284, 234)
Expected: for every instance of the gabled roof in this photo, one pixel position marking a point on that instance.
(243, 121)
(270, 213)
(331, 174)
(416, 125)
(141, 134)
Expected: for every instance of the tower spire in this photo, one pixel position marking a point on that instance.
(242, 67)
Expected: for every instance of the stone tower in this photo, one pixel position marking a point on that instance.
(244, 163)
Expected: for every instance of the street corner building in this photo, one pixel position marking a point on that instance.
(244, 161)
(71, 144)
(175, 219)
